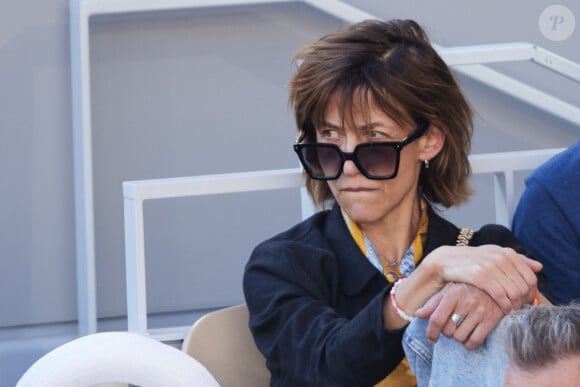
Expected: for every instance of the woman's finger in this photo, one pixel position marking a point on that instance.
(426, 310)
(450, 296)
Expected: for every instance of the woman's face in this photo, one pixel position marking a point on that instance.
(367, 201)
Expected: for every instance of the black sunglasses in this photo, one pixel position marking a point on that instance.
(375, 160)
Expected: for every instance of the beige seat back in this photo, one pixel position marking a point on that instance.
(222, 342)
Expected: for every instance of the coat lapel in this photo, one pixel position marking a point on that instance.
(355, 269)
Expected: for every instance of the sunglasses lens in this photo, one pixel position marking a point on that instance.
(378, 160)
(324, 161)
(321, 161)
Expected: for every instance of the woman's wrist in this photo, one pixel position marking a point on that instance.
(410, 295)
(400, 311)
(431, 270)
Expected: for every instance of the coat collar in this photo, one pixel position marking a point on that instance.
(355, 269)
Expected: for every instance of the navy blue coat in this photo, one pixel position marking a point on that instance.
(316, 302)
(547, 221)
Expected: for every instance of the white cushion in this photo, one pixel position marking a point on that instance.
(116, 357)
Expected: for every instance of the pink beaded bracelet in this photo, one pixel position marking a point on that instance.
(399, 311)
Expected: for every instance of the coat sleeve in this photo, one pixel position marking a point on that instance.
(290, 289)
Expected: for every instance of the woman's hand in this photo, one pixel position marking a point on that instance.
(481, 314)
(508, 277)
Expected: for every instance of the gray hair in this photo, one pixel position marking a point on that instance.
(541, 335)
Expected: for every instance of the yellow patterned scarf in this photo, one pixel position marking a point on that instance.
(402, 375)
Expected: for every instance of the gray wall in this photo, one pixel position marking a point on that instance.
(188, 93)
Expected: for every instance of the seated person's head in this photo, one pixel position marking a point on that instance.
(388, 68)
(543, 344)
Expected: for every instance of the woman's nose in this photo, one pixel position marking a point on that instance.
(350, 168)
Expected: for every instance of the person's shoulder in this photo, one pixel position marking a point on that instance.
(309, 234)
(304, 231)
(442, 226)
(303, 255)
(565, 163)
(446, 233)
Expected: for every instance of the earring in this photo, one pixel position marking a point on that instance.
(426, 164)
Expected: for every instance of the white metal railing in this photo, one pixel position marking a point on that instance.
(501, 165)
(467, 60)
(135, 192)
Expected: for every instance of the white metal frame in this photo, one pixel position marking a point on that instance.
(136, 192)
(501, 165)
(463, 58)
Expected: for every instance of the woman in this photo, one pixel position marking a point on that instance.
(383, 135)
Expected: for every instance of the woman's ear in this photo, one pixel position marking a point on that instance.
(432, 143)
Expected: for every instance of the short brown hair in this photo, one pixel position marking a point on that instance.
(392, 64)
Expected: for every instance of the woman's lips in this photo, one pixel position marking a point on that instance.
(357, 189)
